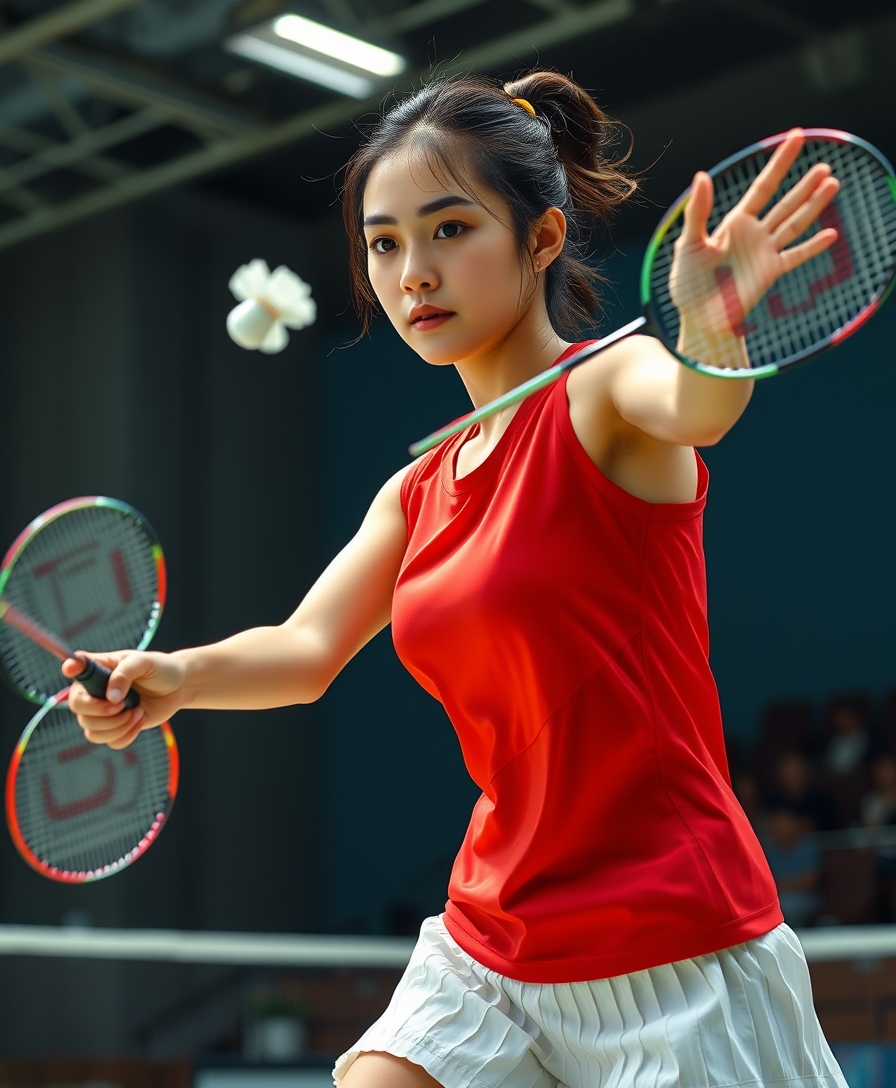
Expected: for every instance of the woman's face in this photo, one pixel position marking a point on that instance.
(444, 264)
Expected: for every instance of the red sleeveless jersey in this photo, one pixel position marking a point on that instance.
(561, 621)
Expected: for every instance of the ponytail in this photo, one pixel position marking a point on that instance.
(582, 134)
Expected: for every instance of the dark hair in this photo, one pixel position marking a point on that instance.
(472, 128)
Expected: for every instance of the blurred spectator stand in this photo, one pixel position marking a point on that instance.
(795, 864)
(848, 748)
(786, 727)
(794, 790)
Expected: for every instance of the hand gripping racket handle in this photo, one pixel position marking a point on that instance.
(95, 678)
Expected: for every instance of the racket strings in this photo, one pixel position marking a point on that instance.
(90, 577)
(815, 301)
(84, 808)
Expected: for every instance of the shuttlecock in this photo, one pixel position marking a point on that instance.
(270, 303)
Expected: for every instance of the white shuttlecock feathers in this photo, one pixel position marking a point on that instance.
(270, 303)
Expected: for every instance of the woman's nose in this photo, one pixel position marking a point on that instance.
(417, 275)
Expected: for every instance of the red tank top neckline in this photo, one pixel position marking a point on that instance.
(450, 451)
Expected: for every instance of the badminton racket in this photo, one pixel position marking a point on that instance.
(93, 676)
(812, 307)
(89, 571)
(77, 811)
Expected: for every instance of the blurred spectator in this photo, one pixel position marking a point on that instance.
(879, 803)
(850, 739)
(795, 865)
(847, 755)
(879, 809)
(888, 722)
(747, 791)
(793, 789)
(786, 727)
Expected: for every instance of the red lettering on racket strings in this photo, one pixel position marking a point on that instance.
(130, 758)
(121, 575)
(77, 751)
(57, 812)
(55, 586)
(72, 631)
(843, 269)
(734, 310)
(85, 564)
(48, 566)
(53, 568)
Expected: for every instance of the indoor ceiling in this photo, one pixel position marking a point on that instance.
(105, 101)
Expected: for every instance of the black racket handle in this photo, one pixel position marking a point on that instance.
(95, 678)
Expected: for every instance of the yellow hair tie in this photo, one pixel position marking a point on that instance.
(527, 106)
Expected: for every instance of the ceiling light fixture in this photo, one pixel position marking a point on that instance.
(312, 51)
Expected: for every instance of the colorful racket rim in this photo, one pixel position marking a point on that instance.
(819, 303)
(811, 308)
(91, 571)
(79, 812)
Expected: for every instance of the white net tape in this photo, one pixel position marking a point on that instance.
(313, 950)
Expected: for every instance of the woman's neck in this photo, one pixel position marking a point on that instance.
(529, 348)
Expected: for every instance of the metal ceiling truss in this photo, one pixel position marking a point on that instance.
(225, 134)
(141, 98)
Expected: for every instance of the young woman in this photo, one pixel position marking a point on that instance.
(611, 918)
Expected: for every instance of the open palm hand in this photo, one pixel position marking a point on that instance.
(717, 279)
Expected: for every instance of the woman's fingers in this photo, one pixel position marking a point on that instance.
(797, 196)
(797, 255)
(80, 702)
(126, 668)
(75, 665)
(696, 213)
(804, 216)
(772, 174)
(113, 730)
(128, 738)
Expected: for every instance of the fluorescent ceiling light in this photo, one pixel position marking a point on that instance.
(301, 65)
(343, 47)
(318, 53)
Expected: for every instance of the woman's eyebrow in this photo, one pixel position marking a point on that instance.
(450, 201)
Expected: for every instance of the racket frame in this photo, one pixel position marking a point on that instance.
(60, 510)
(676, 210)
(648, 324)
(65, 876)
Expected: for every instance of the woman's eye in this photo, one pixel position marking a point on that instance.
(382, 245)
(449, 230)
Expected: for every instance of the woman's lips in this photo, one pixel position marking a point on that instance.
(429, 321)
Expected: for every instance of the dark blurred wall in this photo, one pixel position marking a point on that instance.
(119, 378)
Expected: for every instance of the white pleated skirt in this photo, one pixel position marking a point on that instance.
(740, 1017)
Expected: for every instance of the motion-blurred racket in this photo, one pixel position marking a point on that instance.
(812, 307)
(93, 676)
(78, 811)
(89, 571)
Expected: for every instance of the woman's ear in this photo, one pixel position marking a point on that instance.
(548, 238)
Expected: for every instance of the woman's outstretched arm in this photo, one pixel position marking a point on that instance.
(263, 667)
(715, 280)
